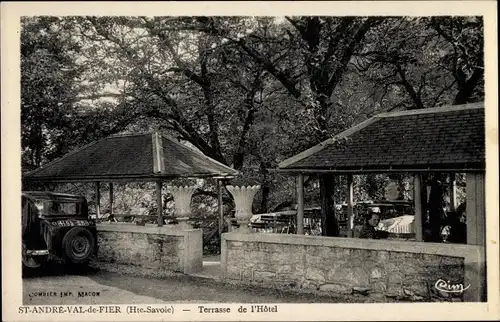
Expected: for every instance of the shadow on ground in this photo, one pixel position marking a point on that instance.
(176, 288)
(59, 269)
(189, 289)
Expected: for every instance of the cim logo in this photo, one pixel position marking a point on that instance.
(447, 287)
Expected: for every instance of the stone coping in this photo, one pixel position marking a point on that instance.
(133, 228)
(453, 250)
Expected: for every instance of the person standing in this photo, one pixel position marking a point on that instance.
(371, 221)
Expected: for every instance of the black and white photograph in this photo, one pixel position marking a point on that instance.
(227, 166)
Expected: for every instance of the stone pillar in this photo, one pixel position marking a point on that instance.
(300, 204)
(476, 209)
(417, 197)
(243, 199)
(182, 204)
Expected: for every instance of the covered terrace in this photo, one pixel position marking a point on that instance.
(144, 157)
(447, 139)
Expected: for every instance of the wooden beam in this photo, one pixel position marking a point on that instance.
(417, 197)
(159, 203)
(350, 204)
(476, 209)
(98, 199)
(300, 204)
(158, 161)
(453, 192)
(111, 198)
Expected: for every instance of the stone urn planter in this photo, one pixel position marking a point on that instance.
(243, 199)
(182, 204)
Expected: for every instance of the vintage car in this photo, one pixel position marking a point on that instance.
(56, 226)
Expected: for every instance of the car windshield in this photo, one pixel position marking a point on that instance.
(57, 208)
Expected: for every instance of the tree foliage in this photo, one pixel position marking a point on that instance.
(246, 91)
(48, 82)
(425, 62)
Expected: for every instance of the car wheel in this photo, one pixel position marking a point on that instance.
(78, 245)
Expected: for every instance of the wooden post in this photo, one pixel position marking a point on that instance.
(159, 203)
(111, 198)
(220, 206)
(98, 199)
(476, 209)
(417, 197)
(350, 205)
(300, 204)
(453, 192)
(341, 191)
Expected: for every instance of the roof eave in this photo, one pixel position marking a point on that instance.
(126, 178)
(361, 170)
(51, 163)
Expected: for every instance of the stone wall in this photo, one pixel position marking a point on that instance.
(381, 269)
(151, 247)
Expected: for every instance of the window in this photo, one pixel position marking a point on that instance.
(58, 208)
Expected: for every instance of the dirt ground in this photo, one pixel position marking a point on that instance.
(103, 287)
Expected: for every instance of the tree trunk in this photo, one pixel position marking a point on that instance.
(265, 186)
(401, 187)
(466, 90)
(265, 197)
(212, 123)
(329, 223)
(435, 207)
(37, 143)
(239, 155)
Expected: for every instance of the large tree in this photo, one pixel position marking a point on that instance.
(425, 62)
(56, 115)
(182, 81)
(48, 78)
(322, 48)
(247, 91)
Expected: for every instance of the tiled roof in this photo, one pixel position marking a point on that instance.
(427, 139)
(139, 156)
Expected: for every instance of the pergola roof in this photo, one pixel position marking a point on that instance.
(434, 139)
(144, 157)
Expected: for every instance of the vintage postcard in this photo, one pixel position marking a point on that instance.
(249, 161)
